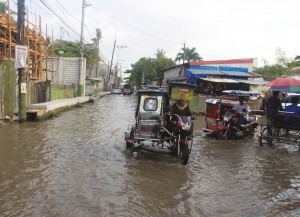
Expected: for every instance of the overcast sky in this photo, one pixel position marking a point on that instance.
(218, 29)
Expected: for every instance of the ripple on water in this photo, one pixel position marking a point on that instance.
(76, 164)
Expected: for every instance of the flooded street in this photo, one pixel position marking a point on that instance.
(76, 164)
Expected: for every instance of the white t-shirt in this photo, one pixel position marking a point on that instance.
(239, 108)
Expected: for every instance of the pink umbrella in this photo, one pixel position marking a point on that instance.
(285, 85)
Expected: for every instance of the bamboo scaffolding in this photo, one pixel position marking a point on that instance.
(39, 50)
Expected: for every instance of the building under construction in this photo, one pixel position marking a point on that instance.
(39, 64)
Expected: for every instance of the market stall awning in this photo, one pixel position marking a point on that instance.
(194, 74)
(237, 74)
(252, 82)
(220, 80)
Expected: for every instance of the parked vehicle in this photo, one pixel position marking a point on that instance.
(287, 100)
(127, 89)
(155, 129)
(116, 91)
(221, 120)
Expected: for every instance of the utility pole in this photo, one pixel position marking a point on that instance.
(112, 57)
(119, 47)
(21, 71)
(81, 59)
(111, 62)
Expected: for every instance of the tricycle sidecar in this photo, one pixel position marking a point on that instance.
(216, 110)
(155, 128)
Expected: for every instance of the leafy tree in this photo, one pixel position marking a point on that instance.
(188, 54)
(160, 54)
(91, 54)
(162, 62)
(3, 6)
(279, 69)
(71, 49)
(148, 69)
(66, 48)
(295, 62)
(271, 72)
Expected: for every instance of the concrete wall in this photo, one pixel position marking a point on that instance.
(66, 70)
(8, 88)
(102, 71)
(93, 87)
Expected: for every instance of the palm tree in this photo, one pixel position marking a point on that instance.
(188, 54)
(160, 53)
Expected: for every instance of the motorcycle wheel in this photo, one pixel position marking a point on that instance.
(185, 154)
(222, 135)
(250, 132)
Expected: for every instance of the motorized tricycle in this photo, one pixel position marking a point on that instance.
(156, 128)
(235, 125)
(223, 123)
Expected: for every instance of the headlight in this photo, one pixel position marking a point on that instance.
(186, 127)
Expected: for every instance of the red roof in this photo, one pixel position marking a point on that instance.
(217, 62)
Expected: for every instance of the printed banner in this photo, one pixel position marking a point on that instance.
(21, 56)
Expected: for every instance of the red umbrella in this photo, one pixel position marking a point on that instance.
(285, 85)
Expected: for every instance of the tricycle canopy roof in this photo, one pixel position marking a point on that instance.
(151, 92)
(180, 90)
(240, 93)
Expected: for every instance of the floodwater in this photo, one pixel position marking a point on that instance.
(76, 164)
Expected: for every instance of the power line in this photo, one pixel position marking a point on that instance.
(44, 3)
(138, 30)
(65, 10)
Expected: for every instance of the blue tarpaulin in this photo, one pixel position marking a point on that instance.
(193, 74)
(221, 68)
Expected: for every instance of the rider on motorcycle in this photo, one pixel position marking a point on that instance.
(242, 107)
(180, 108)
(241, 120)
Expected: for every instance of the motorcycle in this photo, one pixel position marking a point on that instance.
(236, 125)
(215, 109)
(181, 128)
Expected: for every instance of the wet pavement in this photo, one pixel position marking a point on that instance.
(76, 164)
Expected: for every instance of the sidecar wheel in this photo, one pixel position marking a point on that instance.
(266, 136)
(128, 145)
(185, 154)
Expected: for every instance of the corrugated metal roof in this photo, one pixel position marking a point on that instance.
(205, 72)
(220, 80)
